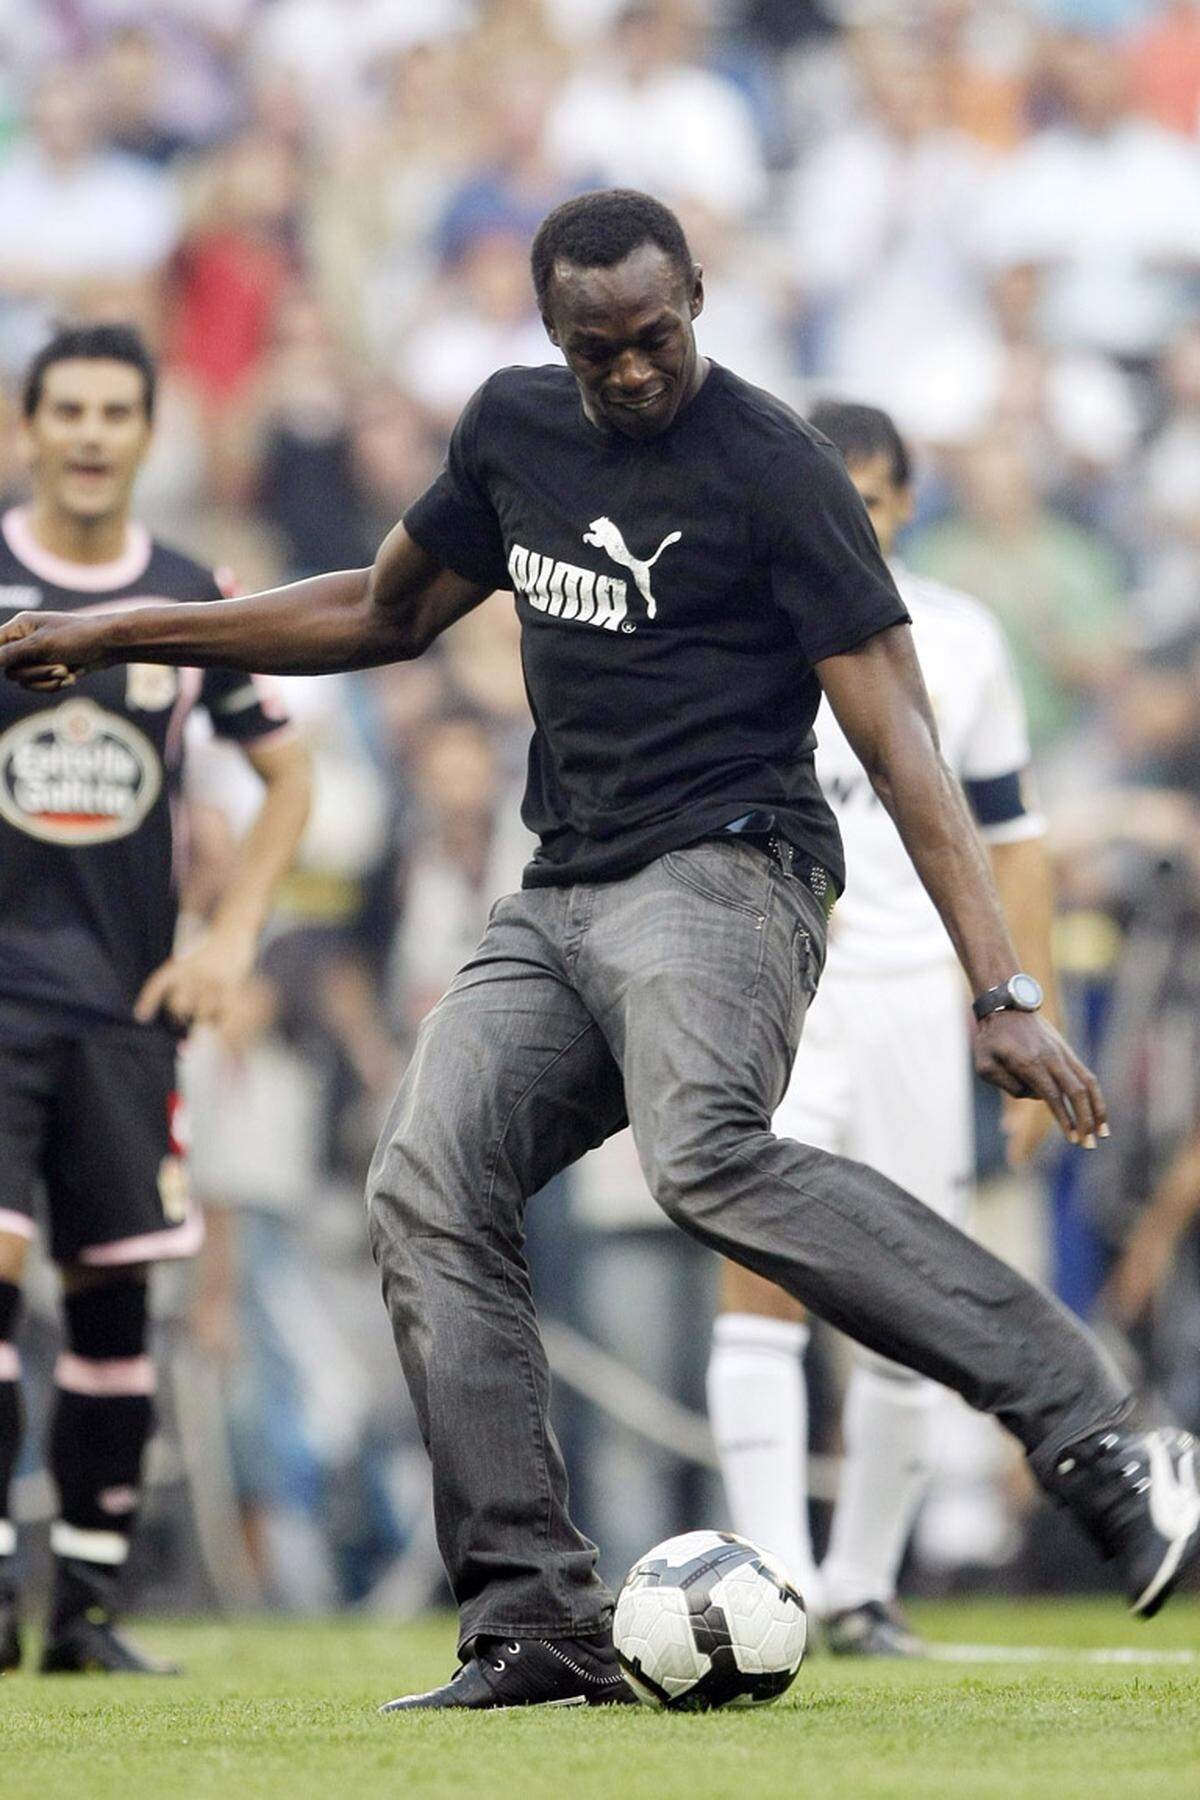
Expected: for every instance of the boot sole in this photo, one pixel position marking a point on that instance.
(1181, 1554)
(524, 1706)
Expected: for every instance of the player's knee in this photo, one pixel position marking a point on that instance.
(742, 1291)
(108, 1321)
(80, 1278)
(691, 1173)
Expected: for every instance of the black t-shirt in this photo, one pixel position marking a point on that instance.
(674, 595)
(89, 785)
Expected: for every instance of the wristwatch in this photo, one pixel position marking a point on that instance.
(1020, 993)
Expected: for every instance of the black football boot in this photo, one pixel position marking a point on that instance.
(504, 1672)
(876, 1628)
(81, 1638)
(10, 1629)
(1134, 1490)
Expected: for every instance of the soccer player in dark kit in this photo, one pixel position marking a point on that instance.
(691, 566)
(91, 997)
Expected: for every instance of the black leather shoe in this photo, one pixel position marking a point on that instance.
(873, 1629)
(1135, 1493)
(10, 1632)
(503, 1672)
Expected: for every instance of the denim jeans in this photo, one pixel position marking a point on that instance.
(675, 997)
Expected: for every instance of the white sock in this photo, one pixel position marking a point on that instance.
(886, 1436)
(758, 1405)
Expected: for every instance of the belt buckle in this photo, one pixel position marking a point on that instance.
(783, 851)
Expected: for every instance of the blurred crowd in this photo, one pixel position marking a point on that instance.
(983, 215)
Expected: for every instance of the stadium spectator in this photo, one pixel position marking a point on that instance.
(449, 882)
(233, 269)
(1163, 58)
(334, 49)
(518, 180)
(641, 113)
(482, 320)
(745, 300)
(1107, 206)
(882, 224)
(130, 76)
(376, 199)
(76, 220)
(306, 480)
(1055, 588)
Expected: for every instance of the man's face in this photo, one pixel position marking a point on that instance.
(626, 334)
(890, 506)
(86, 440)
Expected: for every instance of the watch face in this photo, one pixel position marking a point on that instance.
(1026, 993)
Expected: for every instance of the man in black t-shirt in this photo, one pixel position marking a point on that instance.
(92, 999)
(691, 567)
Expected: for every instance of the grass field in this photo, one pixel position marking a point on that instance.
(286, 1710)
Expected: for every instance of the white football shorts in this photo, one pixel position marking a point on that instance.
(882, 1075)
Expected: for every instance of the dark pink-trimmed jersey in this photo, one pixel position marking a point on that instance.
(90, 780)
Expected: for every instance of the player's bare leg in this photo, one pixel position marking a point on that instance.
(102, 1419)
(758, 1404)
(13, 1246)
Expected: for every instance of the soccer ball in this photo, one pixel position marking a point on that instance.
(708, 1619)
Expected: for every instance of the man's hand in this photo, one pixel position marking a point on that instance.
(1024, 1055)
(46, 651)
(878, 696)
(1141, 1270)
(197, 986)
(1026, 1124)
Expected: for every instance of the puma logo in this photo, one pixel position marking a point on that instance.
(606, 536)
(1174, 1502)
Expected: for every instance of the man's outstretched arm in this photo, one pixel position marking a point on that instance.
(878, 695)
(352, 620)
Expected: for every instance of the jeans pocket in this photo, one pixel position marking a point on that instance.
(732, 875)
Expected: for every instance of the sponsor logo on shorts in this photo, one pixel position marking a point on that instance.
(77, 775)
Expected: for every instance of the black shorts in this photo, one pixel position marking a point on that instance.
(88, 1134)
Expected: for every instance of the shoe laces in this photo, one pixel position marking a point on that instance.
(509, 1653)
(1122, 1462)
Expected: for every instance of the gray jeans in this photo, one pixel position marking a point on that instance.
(675, 997)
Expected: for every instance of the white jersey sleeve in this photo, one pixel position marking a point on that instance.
(994, 753)
(885, 920)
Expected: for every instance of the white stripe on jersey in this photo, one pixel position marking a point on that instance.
(885, 920)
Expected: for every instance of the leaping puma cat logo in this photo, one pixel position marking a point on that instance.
(607, 537)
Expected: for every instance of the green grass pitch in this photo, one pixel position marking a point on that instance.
(288, 1711)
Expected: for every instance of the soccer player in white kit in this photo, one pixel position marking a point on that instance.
(883, 1076)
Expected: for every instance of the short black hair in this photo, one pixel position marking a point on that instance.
(91, 343)
(600, 229)
(861, 432)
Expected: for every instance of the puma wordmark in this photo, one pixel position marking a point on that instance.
(565, 590)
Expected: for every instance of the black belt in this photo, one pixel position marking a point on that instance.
(796, 863)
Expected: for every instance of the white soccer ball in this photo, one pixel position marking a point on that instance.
(709, 1619)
